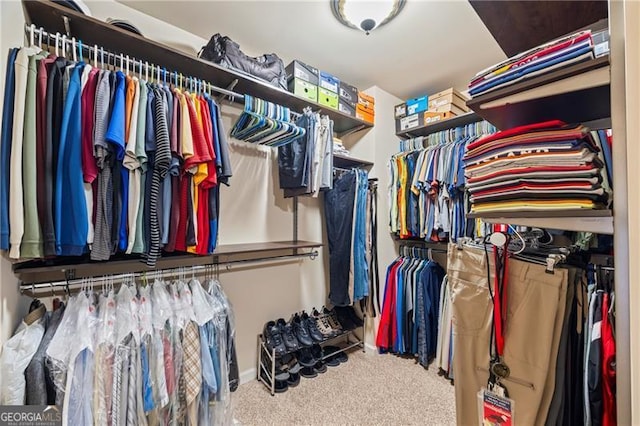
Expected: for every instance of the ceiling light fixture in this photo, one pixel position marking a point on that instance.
(366, 15)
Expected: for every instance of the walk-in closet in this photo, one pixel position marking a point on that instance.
(320, 212)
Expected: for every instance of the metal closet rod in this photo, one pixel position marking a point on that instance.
(127, 63)
(155, 273)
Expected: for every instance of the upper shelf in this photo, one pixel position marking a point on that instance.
(596, 221)
(50, 16)
(578, 93)
(346, 162)
(37, 271)
(438, 126)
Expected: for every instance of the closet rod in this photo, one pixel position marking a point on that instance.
(152, 274)
(126, 63)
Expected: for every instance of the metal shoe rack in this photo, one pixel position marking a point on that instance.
(270, 355)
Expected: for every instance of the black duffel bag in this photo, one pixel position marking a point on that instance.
(226, 52)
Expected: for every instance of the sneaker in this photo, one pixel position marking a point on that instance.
(272, 336)
(322, 324)
(332, 319)
(289, 337)
(308, 372)
(301, 331)
(315, 334)
(320, 366)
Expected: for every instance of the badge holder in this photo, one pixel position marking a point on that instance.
(494, 409)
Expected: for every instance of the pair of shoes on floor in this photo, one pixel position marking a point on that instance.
(311, 361)
(287, 372)
(301, 331)
(337, 358)
(336, 321)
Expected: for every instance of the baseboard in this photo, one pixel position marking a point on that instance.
(248, 376)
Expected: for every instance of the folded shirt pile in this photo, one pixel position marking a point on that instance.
(543, 166)
(539, 60)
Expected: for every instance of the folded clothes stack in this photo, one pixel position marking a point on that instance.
(538, 167)
(539, 60)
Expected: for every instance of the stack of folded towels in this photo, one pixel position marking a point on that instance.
(538, 167)
(539, 60)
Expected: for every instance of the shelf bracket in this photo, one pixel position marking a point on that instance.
(230, 88)
(67, 25)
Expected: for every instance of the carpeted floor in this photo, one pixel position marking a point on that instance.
(369, 389)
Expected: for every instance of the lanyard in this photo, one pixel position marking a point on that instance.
(500, 298)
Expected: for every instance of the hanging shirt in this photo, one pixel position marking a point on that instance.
(17, 353)
(5, 148)
(71, 214)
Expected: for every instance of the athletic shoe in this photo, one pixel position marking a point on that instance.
(301, 331)
(272, 336)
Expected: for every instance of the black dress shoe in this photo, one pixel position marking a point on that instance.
(290, 340)
(315, 334)
(339, 356)
(301, 331)
(320, 367)
(330, 360)
(272, 336)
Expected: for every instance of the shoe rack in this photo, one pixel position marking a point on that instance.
(269, 368)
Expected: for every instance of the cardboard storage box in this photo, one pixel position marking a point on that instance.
(298, 69)
(348, 93)
(432, 117)
(450, 108)
(329, 82)
(347, 107)
(365, 114)
(409, 122)
(449, 96)
(327, 98)
(400, 110)
(416, 105)
(303, 88)
(366, 100)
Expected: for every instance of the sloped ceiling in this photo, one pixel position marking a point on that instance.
(430, 46)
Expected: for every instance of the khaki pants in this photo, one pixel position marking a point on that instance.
(535, 314)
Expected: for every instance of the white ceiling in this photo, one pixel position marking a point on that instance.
(430, 46)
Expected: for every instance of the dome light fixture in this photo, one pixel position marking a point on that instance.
(366, 15)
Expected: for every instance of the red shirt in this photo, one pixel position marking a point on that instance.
(89, 166)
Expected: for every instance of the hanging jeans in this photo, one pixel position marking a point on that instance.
(338, 211)
(294, 158)
(360, 264)
(535, 314)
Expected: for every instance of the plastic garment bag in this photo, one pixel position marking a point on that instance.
(59, 351)
(162, 312)
(17, 353)
(104, 356)
(77, 407)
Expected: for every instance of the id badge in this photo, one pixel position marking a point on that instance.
(495, 410)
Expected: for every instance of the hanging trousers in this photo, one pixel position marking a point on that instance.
(535, 314)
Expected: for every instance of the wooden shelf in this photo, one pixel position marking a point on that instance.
(597, 221)
(49, 15)
(59, 269)
(578, 93)
(346, 162)
(438, 126)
